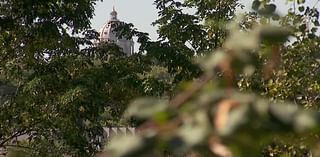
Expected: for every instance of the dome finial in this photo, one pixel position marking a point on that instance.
(113, 14)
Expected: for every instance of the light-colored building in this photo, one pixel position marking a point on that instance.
(107, 34)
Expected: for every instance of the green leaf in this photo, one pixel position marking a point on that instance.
(267, 10)
(271, 8)
(256, 4)
(303, 27)
(301, 8)
(314, 29)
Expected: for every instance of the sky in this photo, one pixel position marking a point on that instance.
(142, 12)
(139, 12)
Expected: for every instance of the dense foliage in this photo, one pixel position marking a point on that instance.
(57, 89)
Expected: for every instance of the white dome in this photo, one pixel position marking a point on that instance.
(107, 34)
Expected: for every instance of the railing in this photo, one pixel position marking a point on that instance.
(111, 131)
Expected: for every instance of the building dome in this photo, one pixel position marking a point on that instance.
(107, 34)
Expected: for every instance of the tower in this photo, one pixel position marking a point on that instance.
(107, 34)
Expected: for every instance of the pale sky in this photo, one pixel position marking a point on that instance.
(139, 12)
(142, 12)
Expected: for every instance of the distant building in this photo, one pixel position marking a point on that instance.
(107, 34)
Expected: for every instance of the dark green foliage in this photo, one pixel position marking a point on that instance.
(61, 96)
(278, 150)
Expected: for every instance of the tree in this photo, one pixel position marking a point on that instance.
(293, 79)
(299, 59)
(61, 95)
(38, 57)
(184, 35)
(239, 104)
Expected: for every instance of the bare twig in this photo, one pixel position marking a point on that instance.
(17, 134)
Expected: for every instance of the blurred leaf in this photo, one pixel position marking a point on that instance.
(213, 60)
(305, 120)
(236, 118)
(195, 129)
(301, 8)
(125, 146)
(256, 4)
(275, 34)
(284, 112)
(301, 1)
(146, 107)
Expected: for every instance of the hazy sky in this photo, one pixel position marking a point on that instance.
(142, 13)
(139, 12)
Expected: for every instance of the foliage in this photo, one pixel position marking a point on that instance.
(35, 48)
(241, 102)
(54, 92)
(220, 89)
(183, 35)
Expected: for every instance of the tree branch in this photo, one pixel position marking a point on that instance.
(18, 146)
(17, 134)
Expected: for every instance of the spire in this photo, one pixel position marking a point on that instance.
(113, 14)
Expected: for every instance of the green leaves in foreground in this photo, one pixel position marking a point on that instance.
(255, 119)
(211, 117)
(145, 108)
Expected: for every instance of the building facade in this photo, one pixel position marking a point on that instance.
(107, 34)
